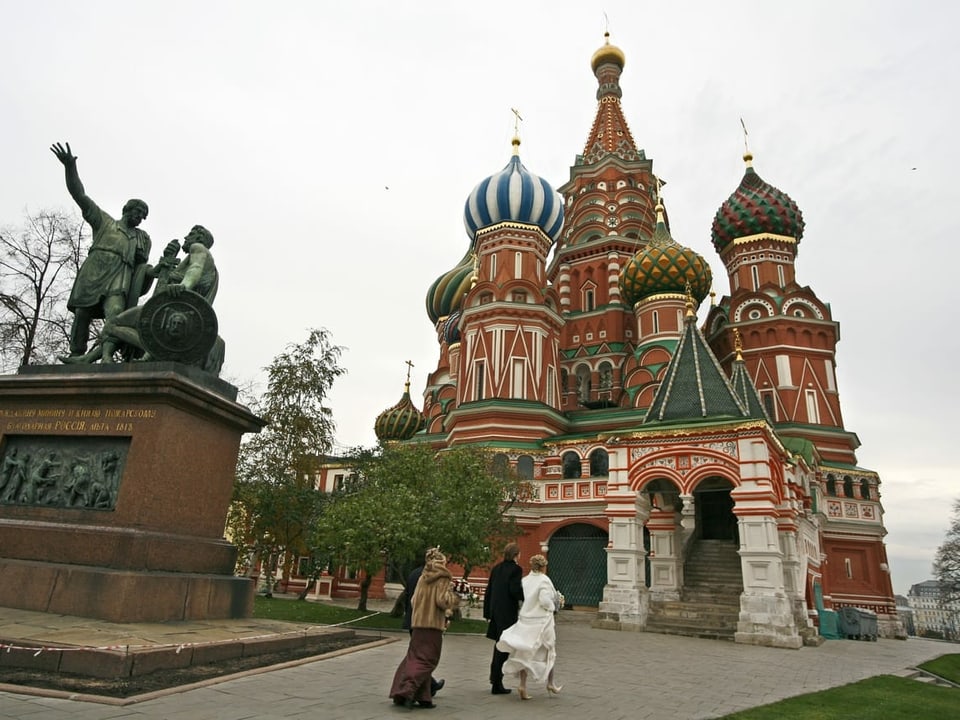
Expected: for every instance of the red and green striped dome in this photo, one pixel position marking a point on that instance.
(754, 208)
(664, 266)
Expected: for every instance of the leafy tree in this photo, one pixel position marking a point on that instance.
(38, 263)
(407, 498)
(276, 503)
(946, 564)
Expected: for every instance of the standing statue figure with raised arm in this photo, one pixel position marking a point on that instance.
(104, 287)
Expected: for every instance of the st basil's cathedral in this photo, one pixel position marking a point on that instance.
(687, 479)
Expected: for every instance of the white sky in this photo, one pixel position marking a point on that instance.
(280, 126)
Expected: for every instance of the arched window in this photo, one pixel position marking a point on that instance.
(599, 463)
(848, 486)
(831, 485)
(501, 465)
(583, 383)
(525, 467)
(865, 489)
(571, 465)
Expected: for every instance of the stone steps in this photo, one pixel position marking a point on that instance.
(710, 598)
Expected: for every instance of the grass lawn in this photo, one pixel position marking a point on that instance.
(946, 666)
(885, 696)
(302, 611)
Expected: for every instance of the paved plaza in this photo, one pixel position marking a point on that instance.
(605, 674)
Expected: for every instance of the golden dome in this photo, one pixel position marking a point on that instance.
(608, 54)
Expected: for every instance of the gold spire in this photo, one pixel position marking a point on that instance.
(690, 313)
(475, 277)
(738, 345)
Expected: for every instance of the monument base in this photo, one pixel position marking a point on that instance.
(123, 595)
(115, 485)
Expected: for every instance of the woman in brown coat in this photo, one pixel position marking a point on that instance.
(433, 603)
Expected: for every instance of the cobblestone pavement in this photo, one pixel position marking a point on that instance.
(605, 674)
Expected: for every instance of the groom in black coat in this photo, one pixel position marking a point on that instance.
(501, 605)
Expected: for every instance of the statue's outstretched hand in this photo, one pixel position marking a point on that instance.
(63, 153)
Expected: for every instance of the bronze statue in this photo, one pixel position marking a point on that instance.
(104, 286)
(178, 323)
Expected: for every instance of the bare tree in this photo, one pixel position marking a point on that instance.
(38, 263)
(946, 564)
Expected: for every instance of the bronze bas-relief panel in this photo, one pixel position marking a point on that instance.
(62, 472)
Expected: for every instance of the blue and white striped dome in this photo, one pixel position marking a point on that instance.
(514, 195)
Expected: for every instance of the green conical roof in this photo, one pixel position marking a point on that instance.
(694, 385)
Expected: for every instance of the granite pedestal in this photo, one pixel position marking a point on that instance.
(116, 481)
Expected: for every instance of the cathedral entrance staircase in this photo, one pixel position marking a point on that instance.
(709, 604)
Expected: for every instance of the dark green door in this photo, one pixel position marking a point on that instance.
(578, 564)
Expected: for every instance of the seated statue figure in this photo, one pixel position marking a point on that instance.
(195, 272)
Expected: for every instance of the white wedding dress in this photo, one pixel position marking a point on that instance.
(532, 640)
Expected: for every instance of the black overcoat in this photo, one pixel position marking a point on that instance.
(504, 595)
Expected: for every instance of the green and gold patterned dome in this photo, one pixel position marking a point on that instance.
(401, 421)
(756, 207)
(664, 266)
(446, 293)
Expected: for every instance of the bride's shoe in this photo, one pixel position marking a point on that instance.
(522, 692)
(555, 689)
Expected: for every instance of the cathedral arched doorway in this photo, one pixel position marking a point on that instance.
(714, 508)
(578, 563)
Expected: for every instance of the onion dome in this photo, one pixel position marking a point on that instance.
(401, 421)
(451, 328)
(514, 195)
(607, 54)
(756, 207)
(664, 266)
(446, 293)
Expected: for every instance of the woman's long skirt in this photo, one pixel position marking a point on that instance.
(411, 681)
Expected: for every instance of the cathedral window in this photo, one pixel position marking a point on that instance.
(813, 412)
(755, 276)
(768, 404)
(519, 297)
(588, 300)
(656, 322)
(848, 566)
(784, 376)
(583, 383)
(518, 264)
(493, 267)
(780, 275)
(501, 466)
(831, 486)
(551, 398)
(599, 463)
(847, 486)
(478, 380)
(831, 378)
(518, 380)
(865, 489)
(571, 465)
(525, 467)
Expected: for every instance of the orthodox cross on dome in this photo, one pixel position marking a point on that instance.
(409, 368)
(516, 130)
(747, 155)
(516, 121)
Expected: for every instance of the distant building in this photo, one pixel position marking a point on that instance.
(931, 617)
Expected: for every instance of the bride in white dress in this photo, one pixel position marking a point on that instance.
(532, 640)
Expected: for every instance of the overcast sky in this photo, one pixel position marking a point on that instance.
(329, 147)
